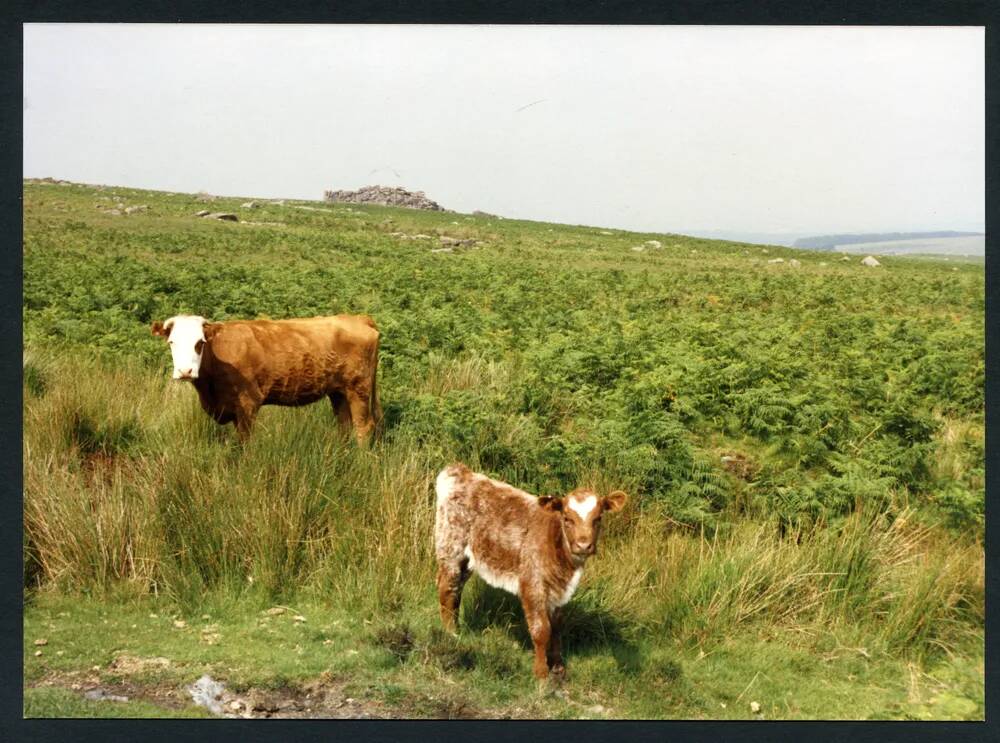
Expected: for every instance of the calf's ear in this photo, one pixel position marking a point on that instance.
(210, 329)
(550, 502)
(158, 329)
(615, 501)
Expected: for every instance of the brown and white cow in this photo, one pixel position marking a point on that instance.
(532, 547)
(238, 366)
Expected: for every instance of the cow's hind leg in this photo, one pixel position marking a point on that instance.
(451, 577)
(361, 414)
(341, 409)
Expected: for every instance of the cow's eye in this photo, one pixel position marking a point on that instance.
(198, 346)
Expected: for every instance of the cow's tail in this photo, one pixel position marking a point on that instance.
(376, 406)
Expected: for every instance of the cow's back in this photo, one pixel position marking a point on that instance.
(294, 362)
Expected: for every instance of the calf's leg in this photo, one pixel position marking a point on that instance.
(554, 654)
(540, 629)
(451, 577)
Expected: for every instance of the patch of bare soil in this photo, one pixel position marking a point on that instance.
(740, 465)
(323, 697)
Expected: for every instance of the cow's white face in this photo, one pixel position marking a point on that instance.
(186, 336)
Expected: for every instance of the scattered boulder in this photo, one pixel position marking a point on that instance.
(278, 202)
(845, 258)
(638, 248)
(100, 695)
(202, 213)
(442, 250)
(794, 263)
(870, 261)
(314, 209)
(487, 215)
(654, 243)
(385, 196)
(114, 212)
(205, 196)
(249, 205)
(776, 260)
(136, 209)
(224, 216)
(207, 692)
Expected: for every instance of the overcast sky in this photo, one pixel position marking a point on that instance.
(756, 129)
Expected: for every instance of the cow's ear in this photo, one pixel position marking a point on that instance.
(550, 502)
(162, 328)
(210, 329)
(615, 501)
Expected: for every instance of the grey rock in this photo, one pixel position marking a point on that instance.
(870, 261)
(100, 695)
(384, 196)
(207, 692)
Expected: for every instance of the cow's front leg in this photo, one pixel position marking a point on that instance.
(246, 414)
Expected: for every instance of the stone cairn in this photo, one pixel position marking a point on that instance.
(384, 196)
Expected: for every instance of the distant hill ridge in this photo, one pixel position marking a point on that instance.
(828, 242)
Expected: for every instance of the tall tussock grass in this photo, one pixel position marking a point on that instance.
(130, 487)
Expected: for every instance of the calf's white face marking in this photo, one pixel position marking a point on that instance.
(583, 507)
(186, 336)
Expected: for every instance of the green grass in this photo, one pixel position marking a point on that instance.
(803, 447)
(486, 671)
(62, 703)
